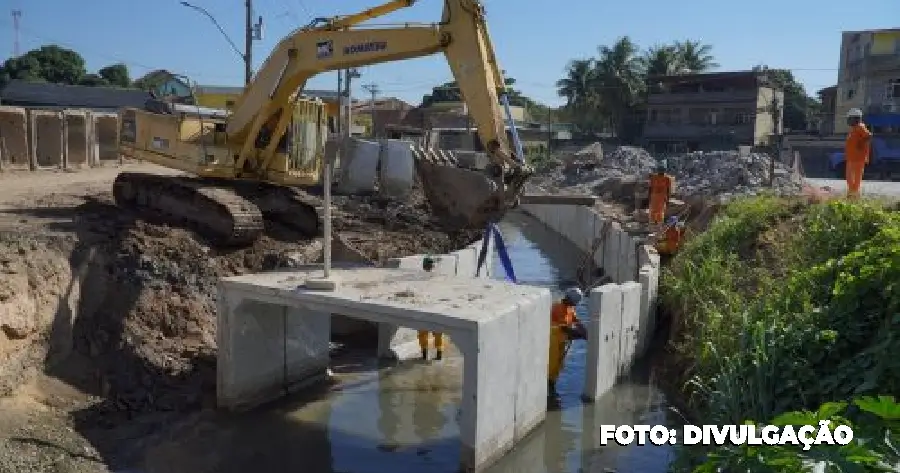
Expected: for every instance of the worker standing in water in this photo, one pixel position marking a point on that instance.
(428, 265)
(564, 327)
(856, 152)
(661, 186)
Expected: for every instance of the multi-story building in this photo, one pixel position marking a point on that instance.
(719, 110)
(869, 78)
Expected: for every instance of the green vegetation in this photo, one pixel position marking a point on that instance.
(607, 93)
(784, 306)
(58, 65)
(875, 422)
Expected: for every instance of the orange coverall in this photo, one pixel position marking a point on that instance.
(856, 156)
(561, 315)
(672, 240)
(660, 190)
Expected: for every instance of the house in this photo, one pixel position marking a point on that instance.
(42, 95)
(163, 83)
(382, 112)
(869, 78)
(712, 111)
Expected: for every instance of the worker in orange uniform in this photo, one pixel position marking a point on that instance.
(672, 237)
(564, 327)
(428, 265)
(856, 151)
(661, 186)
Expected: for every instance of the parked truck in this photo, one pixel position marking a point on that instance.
(884, 159)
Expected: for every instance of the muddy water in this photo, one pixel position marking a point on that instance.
(402, 418)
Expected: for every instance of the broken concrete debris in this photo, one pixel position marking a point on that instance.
(716, 173)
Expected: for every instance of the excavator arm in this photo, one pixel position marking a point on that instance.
(261, 115)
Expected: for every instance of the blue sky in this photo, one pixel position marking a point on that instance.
(534, 39)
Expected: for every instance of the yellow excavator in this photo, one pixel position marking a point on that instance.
(256, 163)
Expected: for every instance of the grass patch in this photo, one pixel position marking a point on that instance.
(783, 305)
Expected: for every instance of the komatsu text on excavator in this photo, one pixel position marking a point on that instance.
(249, 165)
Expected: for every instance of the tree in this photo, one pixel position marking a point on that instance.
(450, 92)
(799, 108)
(93, 80)
(116, 75)
(618, 82)
(577, 88)
(695, 56)
(46, 64)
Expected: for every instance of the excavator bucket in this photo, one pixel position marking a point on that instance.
(462, 196)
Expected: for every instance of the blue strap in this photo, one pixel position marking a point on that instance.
(504, 256)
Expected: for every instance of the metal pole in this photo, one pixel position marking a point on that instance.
(776, 118)
(248, 45)
(339, 120)
(326, 225)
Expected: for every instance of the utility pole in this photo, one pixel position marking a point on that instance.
(17, 16)
(254, 32)
(776, 120)
(350, 74)
(338, 126)
(372, 89)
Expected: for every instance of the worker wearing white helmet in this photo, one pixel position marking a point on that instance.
(564, 327)
(856, 151)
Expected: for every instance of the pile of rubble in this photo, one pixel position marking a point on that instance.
(718, 173)
(728, 173)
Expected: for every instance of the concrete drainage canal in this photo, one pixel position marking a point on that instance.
(404, 416)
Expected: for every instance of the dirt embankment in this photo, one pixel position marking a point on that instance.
(123, 310)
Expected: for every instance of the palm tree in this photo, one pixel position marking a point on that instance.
(660, 60)
(695, 56)
(618, 79)
(576, 88)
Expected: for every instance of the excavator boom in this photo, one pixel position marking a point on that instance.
(258, 163)
(462, 197)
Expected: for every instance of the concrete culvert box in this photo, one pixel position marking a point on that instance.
(106, 137)
(47, 139)
(14, 153)
(76, 139)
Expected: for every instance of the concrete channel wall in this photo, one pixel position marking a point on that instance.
(622, 314)
(57, 139)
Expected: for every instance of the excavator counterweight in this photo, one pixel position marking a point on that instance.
(256, 162)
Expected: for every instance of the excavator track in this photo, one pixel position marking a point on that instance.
(215, 212)
(232, 212)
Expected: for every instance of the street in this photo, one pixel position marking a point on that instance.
(883, 188)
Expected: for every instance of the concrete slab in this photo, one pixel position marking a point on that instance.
(566, 221)
(47, 140)
(105, 138)
(599, 232)
(630, 258)
(15, 152)
(583, 228)
(76, 152)
(611, 250)
(605, 328)
(466, 262)
(631, 311)
(500, 328)
(645, 330)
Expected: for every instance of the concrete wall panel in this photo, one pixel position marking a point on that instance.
(47, 140)
(604, 325)
(585, 221)
(76, 133)
(631, 311)
(466, 262)
(600, 234)
(105, 138)
(15, 152)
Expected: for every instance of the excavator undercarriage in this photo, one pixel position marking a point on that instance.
(228, 212)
